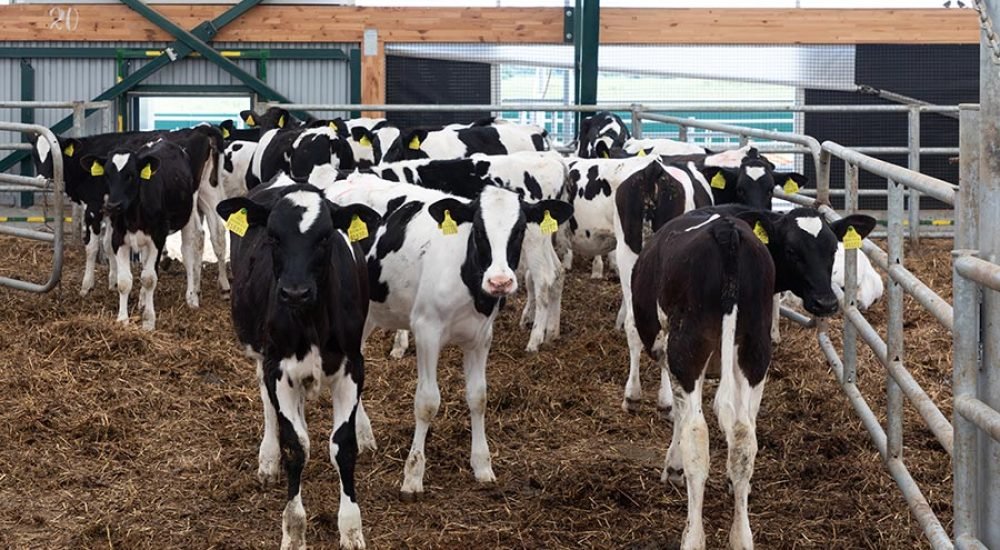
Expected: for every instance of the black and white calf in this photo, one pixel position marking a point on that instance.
(600, 134)
(233, 167)
(231, 133)
(274, 117)
(534, 176)
(299, 152)
(370, 138)
(702, 292)
(441, 267)
(662, 147)
(300, 299)
(152, 192)
(751, 182)
(458, 141)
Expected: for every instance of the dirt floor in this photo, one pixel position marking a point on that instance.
(111, 437)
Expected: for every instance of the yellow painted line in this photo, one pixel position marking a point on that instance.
(153, 53)
(36, 219)
(941, 222)
(3, 218)
(227, 53)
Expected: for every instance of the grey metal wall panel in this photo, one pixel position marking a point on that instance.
(304, 81)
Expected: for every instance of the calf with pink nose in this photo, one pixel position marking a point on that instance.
(442, 266)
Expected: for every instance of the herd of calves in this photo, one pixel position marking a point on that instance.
(338, 227)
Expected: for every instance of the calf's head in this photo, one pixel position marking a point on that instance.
(751, 184)
(275, 117)
(124, 172)
(42, 153)
(322, 149)
(498, 218)
(803, 246)
(600, 134)
(300, 227)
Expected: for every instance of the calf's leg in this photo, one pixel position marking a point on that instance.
(597, 268)
(474, 365)
(400, 343)
(191, 239)
(123, 259)
(347, 384)
(106, 234)
(293, 435)
(148, 280)
(93, 245)
(426, 402)
(633, 386)
(269, 456)
(695, 456)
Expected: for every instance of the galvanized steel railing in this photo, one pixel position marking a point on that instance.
(56, 238)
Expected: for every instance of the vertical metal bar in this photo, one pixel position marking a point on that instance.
(894, 340)
(988, 476)
(744, 141)
(27, 117)
(822, 176)
(913, 142)
(587, 38)
(637, 121)
(967, 206)
(682, 133)
(850, 278)
(76, 226)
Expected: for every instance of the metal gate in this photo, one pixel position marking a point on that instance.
(56, 186)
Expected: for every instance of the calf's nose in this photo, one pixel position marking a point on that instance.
(294, 295)
(501, 284)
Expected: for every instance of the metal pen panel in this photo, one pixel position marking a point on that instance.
(894, 330)
(850, 279)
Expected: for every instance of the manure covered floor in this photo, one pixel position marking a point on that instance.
(111, 437)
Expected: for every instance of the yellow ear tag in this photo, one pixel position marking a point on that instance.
(365, 142)
(549, 224)
(641, 153)
(448, 225)
(96, 169)
(358, 229)
(225, 134)
(147, 171)
(68, 151)
(852, 240)
(791, 187)
(718, 181)
(758, 230)
(237, 222)
(281, 121)
(332, 126)
(250, 121)
(415, 144)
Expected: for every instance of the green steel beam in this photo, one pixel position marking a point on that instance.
(196, 43)
(586, 40)
(27, 117)
(132, 53)
(205, 31)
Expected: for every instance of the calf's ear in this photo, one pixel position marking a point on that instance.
(343, 216)
(459, 211)
(256, 214)
(248, 118)
(861, 223)
(719, 177)
(148, 166)
(781, 179)
(93, 164)
(762, 222)
(559, 210)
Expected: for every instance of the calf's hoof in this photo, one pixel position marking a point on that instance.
(411, 496)
(666, 413)
(674, 476)
(630, 405)
(397, 353)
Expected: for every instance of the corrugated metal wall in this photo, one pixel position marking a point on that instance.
(308, 81)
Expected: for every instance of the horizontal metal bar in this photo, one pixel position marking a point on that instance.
(15, 146)
(854, 396)
(775, 148)
(980, 414)
(23, 189)
(646, 108)
(968, 542)
(932, 301)
(54, 104)
(928, 521)
(980, 271)
(939, 189)
(929, 411)
(40, 183)
(931, 526)
(797, 317)
(27, 233)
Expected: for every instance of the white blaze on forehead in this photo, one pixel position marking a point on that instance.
(119, 160)
(810, 224)
(755, 172)
(703, 224)
(311, 202)
(43, 148)
(610, 125)
(500, 210)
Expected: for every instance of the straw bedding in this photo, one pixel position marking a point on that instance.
(117, 438)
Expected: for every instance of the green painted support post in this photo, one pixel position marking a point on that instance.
(27, 117)
(586, 41)
(355, 80)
